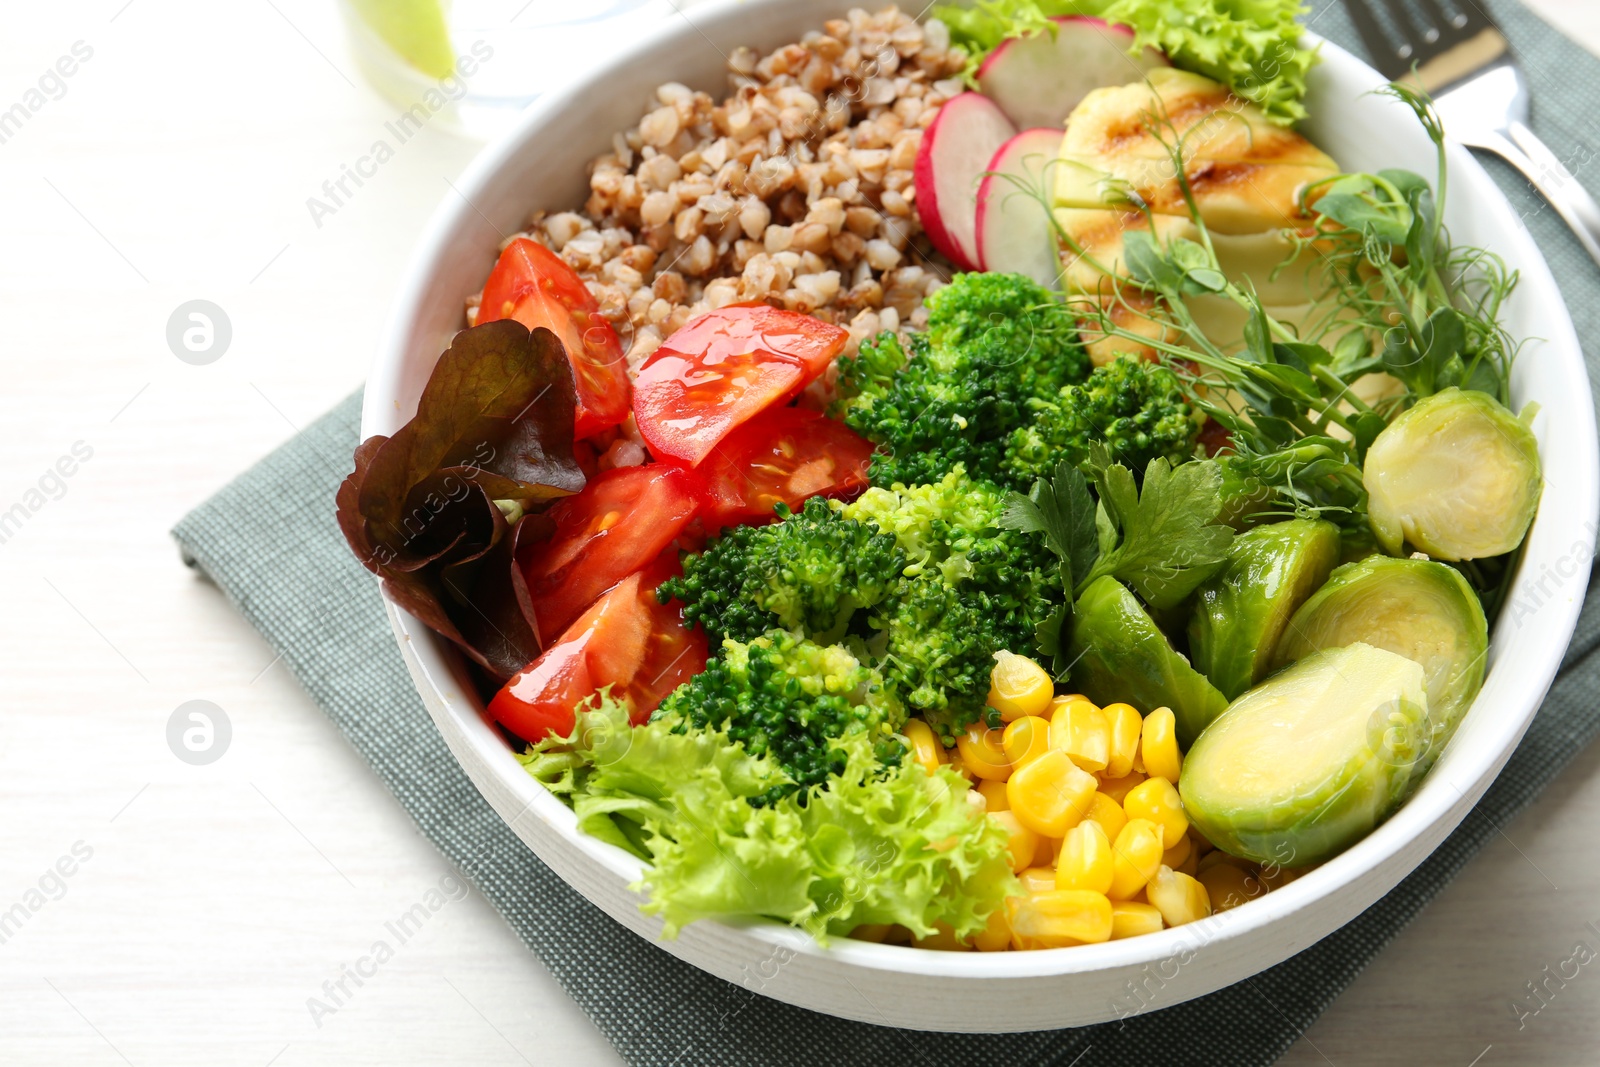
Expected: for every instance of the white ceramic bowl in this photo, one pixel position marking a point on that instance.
(541, 165)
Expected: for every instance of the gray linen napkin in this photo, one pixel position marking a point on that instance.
(269, 543)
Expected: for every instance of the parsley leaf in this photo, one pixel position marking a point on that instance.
(1170, 539)
(1063, 511)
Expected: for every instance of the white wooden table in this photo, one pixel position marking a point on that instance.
(207, 904)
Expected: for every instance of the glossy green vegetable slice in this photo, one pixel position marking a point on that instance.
(1416, 608)
(1307, 763)
(1120, 654)
(1457, 476)
(1242, 611)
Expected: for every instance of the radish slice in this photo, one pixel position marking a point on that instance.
(955, 152)
(1038, 80)
(1014, 234)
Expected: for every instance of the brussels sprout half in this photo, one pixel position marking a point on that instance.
(1415, 608)
(1307, 763)
(1457, 476)
(1120, 654)
(1241, 613)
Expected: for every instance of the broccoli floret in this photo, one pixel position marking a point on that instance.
(784, 695)
(1135, 406)
(810, 571)
(967, 590)
(869, 372)
(994, 342)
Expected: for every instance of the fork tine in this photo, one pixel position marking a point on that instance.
(1415, 43)
(1473, 19)
(1385, 55)
(1442, 30)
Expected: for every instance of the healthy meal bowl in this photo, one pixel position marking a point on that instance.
(988, 524)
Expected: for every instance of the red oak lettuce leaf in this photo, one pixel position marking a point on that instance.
(494, 423)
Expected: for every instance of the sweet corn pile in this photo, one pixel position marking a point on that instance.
(1098, 836)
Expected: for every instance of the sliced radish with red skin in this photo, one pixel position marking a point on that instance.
(1014, 232)
(956, 150)
(1038, 80)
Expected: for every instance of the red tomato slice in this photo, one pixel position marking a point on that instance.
(626, 640)
(783, 456)
(620, 521)
(721, 369)
(673, 651)
(535, 286)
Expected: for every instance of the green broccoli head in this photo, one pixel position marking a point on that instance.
(787, 696)
(1134, 406)
(1009, 326)
(995, 343)
(968, 589)
(810, 571)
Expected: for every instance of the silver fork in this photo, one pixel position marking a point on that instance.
(1479, 89)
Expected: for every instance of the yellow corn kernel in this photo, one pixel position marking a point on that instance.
(1135, 856)
(925, 746)
(981, 753)
(1083, 732)
(1049, 795)
(1131, 918)
(1057, 715)
(1059, 917)
(1157, 800)
(996, 937)
(943, 939)
(1044, 854)
(1274, 877)
(1216, 856)
(1182, 899)
(1178, 854)
(1228, 886)
(1022, 842)
(1025, 739)
(1158, 745)
(1109, 814)
(1126, 729)
(1117, 788)
(1085, 860)
(1190, 866)
(994, 795)
(1037, 879)
(1018, 686)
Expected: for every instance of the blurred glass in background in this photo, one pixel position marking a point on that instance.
(471, 66)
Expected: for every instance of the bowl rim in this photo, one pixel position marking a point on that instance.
(1435, 809)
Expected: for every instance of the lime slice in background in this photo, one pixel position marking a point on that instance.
(415, 29)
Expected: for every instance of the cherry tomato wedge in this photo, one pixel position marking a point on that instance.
(626, 640)
(535, 286)
(721, 369)
(620, 521)
(783, 456)
(674, 651)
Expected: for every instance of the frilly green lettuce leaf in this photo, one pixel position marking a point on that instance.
(877, 845)
(1251, 46)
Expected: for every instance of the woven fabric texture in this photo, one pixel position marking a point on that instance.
(269, 543)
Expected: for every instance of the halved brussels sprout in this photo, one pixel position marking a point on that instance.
(1307, 763)
(1416, 608)
(1457, 476)
(1242, 611)
(1120, 654)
